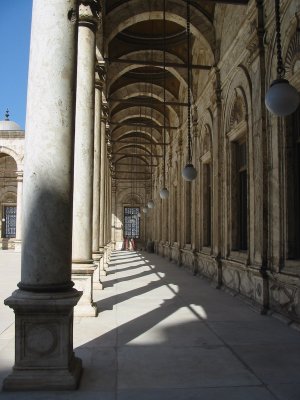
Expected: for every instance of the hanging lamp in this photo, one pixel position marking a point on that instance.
(164, 192)
(151, 203)
(282, 99)
(189, 172)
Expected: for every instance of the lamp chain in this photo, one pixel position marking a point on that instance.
(189, 81)
(164, 60)
(280, 67)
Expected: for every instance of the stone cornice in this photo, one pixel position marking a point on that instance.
(12, 134)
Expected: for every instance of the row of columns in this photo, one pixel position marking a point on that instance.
(66, 194)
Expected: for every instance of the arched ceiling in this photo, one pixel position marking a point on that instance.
(146, 58)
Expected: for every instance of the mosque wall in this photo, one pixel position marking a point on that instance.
(235, 139)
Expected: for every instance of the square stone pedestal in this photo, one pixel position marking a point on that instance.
(18, 246)
(102, 269)
(44, 357)
(97, 284)
(82, 275)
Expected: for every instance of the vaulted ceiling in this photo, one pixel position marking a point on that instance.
(146, 55)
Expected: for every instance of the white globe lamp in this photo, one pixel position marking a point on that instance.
(150, 204)
(282, 99)
(189, 173)
(164, 193)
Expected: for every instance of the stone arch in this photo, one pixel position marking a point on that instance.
(132, 111)
(238, 129)
(238, 99)
(145, 90)
(123, 132)
(291, 52)
(129, 197)
(236, 109)
(135, 90)
(9, 196)
(137, 112)
(117, 70)
(12, 153)
(123, 16)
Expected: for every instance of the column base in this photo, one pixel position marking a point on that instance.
(82, 275)
(18, 246)
(102, 270)
(59, 379)
(44, 357)
(97, 284)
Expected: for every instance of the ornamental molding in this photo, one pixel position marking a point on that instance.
(206, 158)
(293, 53)
(101, 71)
(238, 132)
(89, 13)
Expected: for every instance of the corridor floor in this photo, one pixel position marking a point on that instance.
(163, 334)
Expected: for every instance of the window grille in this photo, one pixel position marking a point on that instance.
(9, 221)
(131, 222)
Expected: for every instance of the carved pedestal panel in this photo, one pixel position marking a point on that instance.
(44, 341)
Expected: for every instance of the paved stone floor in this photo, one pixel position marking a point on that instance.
(163, 334)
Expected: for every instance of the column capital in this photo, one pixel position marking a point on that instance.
(89, 13)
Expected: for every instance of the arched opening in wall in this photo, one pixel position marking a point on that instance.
(207, 204)
(239, 195)
(8, 196)
(293, 185)
(206, 188)
(132, 222)
(237, 134)
(188, 211)
(175, 214)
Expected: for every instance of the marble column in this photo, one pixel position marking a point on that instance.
(113, 214)
(104, 110)
(44, 302)
(109, 211)
(105, 213)
(83, 266)
(18, 239)
(96, 178)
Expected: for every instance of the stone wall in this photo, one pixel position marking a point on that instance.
(230, 110)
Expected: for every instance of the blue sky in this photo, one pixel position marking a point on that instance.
(15, 21)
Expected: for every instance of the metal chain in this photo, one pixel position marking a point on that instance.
(188, 17)
(164, 60)
(280, 67)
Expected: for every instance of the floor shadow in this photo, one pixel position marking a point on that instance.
(128, 278)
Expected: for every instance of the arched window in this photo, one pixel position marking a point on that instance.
(293, 186)
(8, 168)
(292, 158)
(188, 210)
(238, 174)
(206, 160)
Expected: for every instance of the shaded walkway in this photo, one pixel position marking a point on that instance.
(162, 334)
